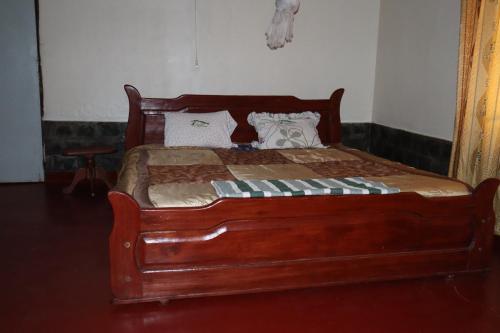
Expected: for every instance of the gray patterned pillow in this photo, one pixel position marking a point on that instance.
(286, 130)
(213, 129)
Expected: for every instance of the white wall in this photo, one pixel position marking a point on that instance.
(91, 48)
(417, 61)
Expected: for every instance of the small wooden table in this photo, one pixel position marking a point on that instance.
(90, 171)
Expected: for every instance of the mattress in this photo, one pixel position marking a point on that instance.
(165, 177)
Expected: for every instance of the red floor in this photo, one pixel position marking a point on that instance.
(55, 279)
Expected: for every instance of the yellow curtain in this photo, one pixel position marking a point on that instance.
(476, 144)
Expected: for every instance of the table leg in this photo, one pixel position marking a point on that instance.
(91, 175)
(80, 175)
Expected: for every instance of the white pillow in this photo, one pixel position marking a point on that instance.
(211, 129)
(286, 130)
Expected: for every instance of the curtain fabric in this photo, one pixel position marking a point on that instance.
(476, 144)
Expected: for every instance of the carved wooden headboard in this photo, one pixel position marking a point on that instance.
(146, 121)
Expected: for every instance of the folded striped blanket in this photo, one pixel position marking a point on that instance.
(299, 187)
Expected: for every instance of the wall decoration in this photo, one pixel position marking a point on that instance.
(280, 31)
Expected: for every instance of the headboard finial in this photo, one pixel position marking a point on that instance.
(337, 95)
(336, 130)
(135, 126)
(132, 92)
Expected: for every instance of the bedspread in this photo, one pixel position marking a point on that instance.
(157, 176)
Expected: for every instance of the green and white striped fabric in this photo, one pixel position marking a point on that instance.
(299, 187)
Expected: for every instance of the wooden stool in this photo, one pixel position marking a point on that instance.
(90, 172)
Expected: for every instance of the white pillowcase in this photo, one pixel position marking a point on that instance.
(213, 129)
(286, 130)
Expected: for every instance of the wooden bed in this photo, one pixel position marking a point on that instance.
(264, 244)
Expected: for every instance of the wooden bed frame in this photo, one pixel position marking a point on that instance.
(253, 245)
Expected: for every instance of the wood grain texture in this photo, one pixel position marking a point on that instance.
(252, 245)
(60, 265)
(146, 121)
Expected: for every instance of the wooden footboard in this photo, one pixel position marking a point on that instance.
(253, 245)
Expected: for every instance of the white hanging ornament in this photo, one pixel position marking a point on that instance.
(281, 29)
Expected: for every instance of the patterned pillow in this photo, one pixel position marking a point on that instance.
(286, 130)
(211, 129)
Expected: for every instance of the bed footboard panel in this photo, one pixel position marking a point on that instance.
(262, 241)
(247, 246)
(301, 273)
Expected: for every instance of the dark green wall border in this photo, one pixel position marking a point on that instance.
(410, 148)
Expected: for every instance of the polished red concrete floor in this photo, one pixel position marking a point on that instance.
(54, 278)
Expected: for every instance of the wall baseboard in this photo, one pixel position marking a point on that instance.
(416, 150)
(59, 135)
(356, 135)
